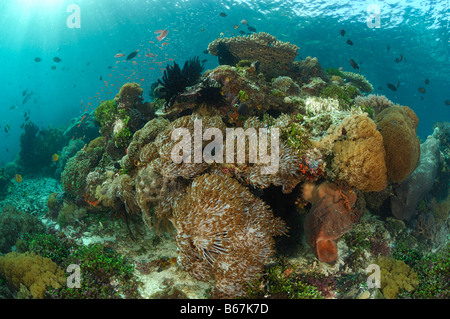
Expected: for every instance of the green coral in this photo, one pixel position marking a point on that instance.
(344, 95)
(282, 282)
(433, 271)
(46, 245)
(105, 113)
(333, 71)
(296, 136)
(242, 96)
(105, 275)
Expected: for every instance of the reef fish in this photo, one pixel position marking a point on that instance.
(349, 42)
(37, 59)
(55, 157)
(132, 55)
(7, 128)
(391, 86)
(251, 29)
(354, 64)
(243, 21)
(56, 59)
(427, 81)
(53, 68)
(18, 178)
(447, 102)
(119, 55)
(342, 32)
(162, 34)
(421, 90)
(223, 14)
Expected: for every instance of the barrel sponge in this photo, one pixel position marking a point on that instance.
(398, 126)
(32, 271)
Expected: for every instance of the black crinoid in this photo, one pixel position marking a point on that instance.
(176, 80)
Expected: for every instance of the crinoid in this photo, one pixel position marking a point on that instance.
(176, 80)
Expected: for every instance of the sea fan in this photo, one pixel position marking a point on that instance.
(176, 80)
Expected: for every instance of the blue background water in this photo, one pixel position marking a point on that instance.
(419, 30)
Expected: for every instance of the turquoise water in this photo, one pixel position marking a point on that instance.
(417, 30)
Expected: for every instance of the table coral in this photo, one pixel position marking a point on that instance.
(274, 55)
(398, 126)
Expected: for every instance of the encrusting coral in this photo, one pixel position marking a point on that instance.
(224, 232)
(398, 126)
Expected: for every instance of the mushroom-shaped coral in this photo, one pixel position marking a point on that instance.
(224, 232)
(274, 55)
(329, 218)
(398, 126)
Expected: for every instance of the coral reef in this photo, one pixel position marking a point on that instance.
(15, 223)
(373, 103)
(331, 216)
(398, 126)
(396, 275)
(274, 55)
(225, 232)
(37, 147)
(358, 153)
(408, 193)
(31, 275)
(358, 81)
(176, 80)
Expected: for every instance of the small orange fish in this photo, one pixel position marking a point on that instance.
(18, 178)
(119, 55)
(162, 34)
(165, 43)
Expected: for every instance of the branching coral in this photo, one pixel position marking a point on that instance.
(225, 232)
(374, 102)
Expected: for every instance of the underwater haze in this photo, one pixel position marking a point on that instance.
(118, 128)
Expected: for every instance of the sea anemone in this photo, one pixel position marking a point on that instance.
(176, 80)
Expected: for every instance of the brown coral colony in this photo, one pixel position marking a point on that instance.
(331, 150)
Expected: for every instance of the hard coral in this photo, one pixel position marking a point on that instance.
(398, 125)
(358, 153)
(274, 55)
(224, 232)
(329, 218)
